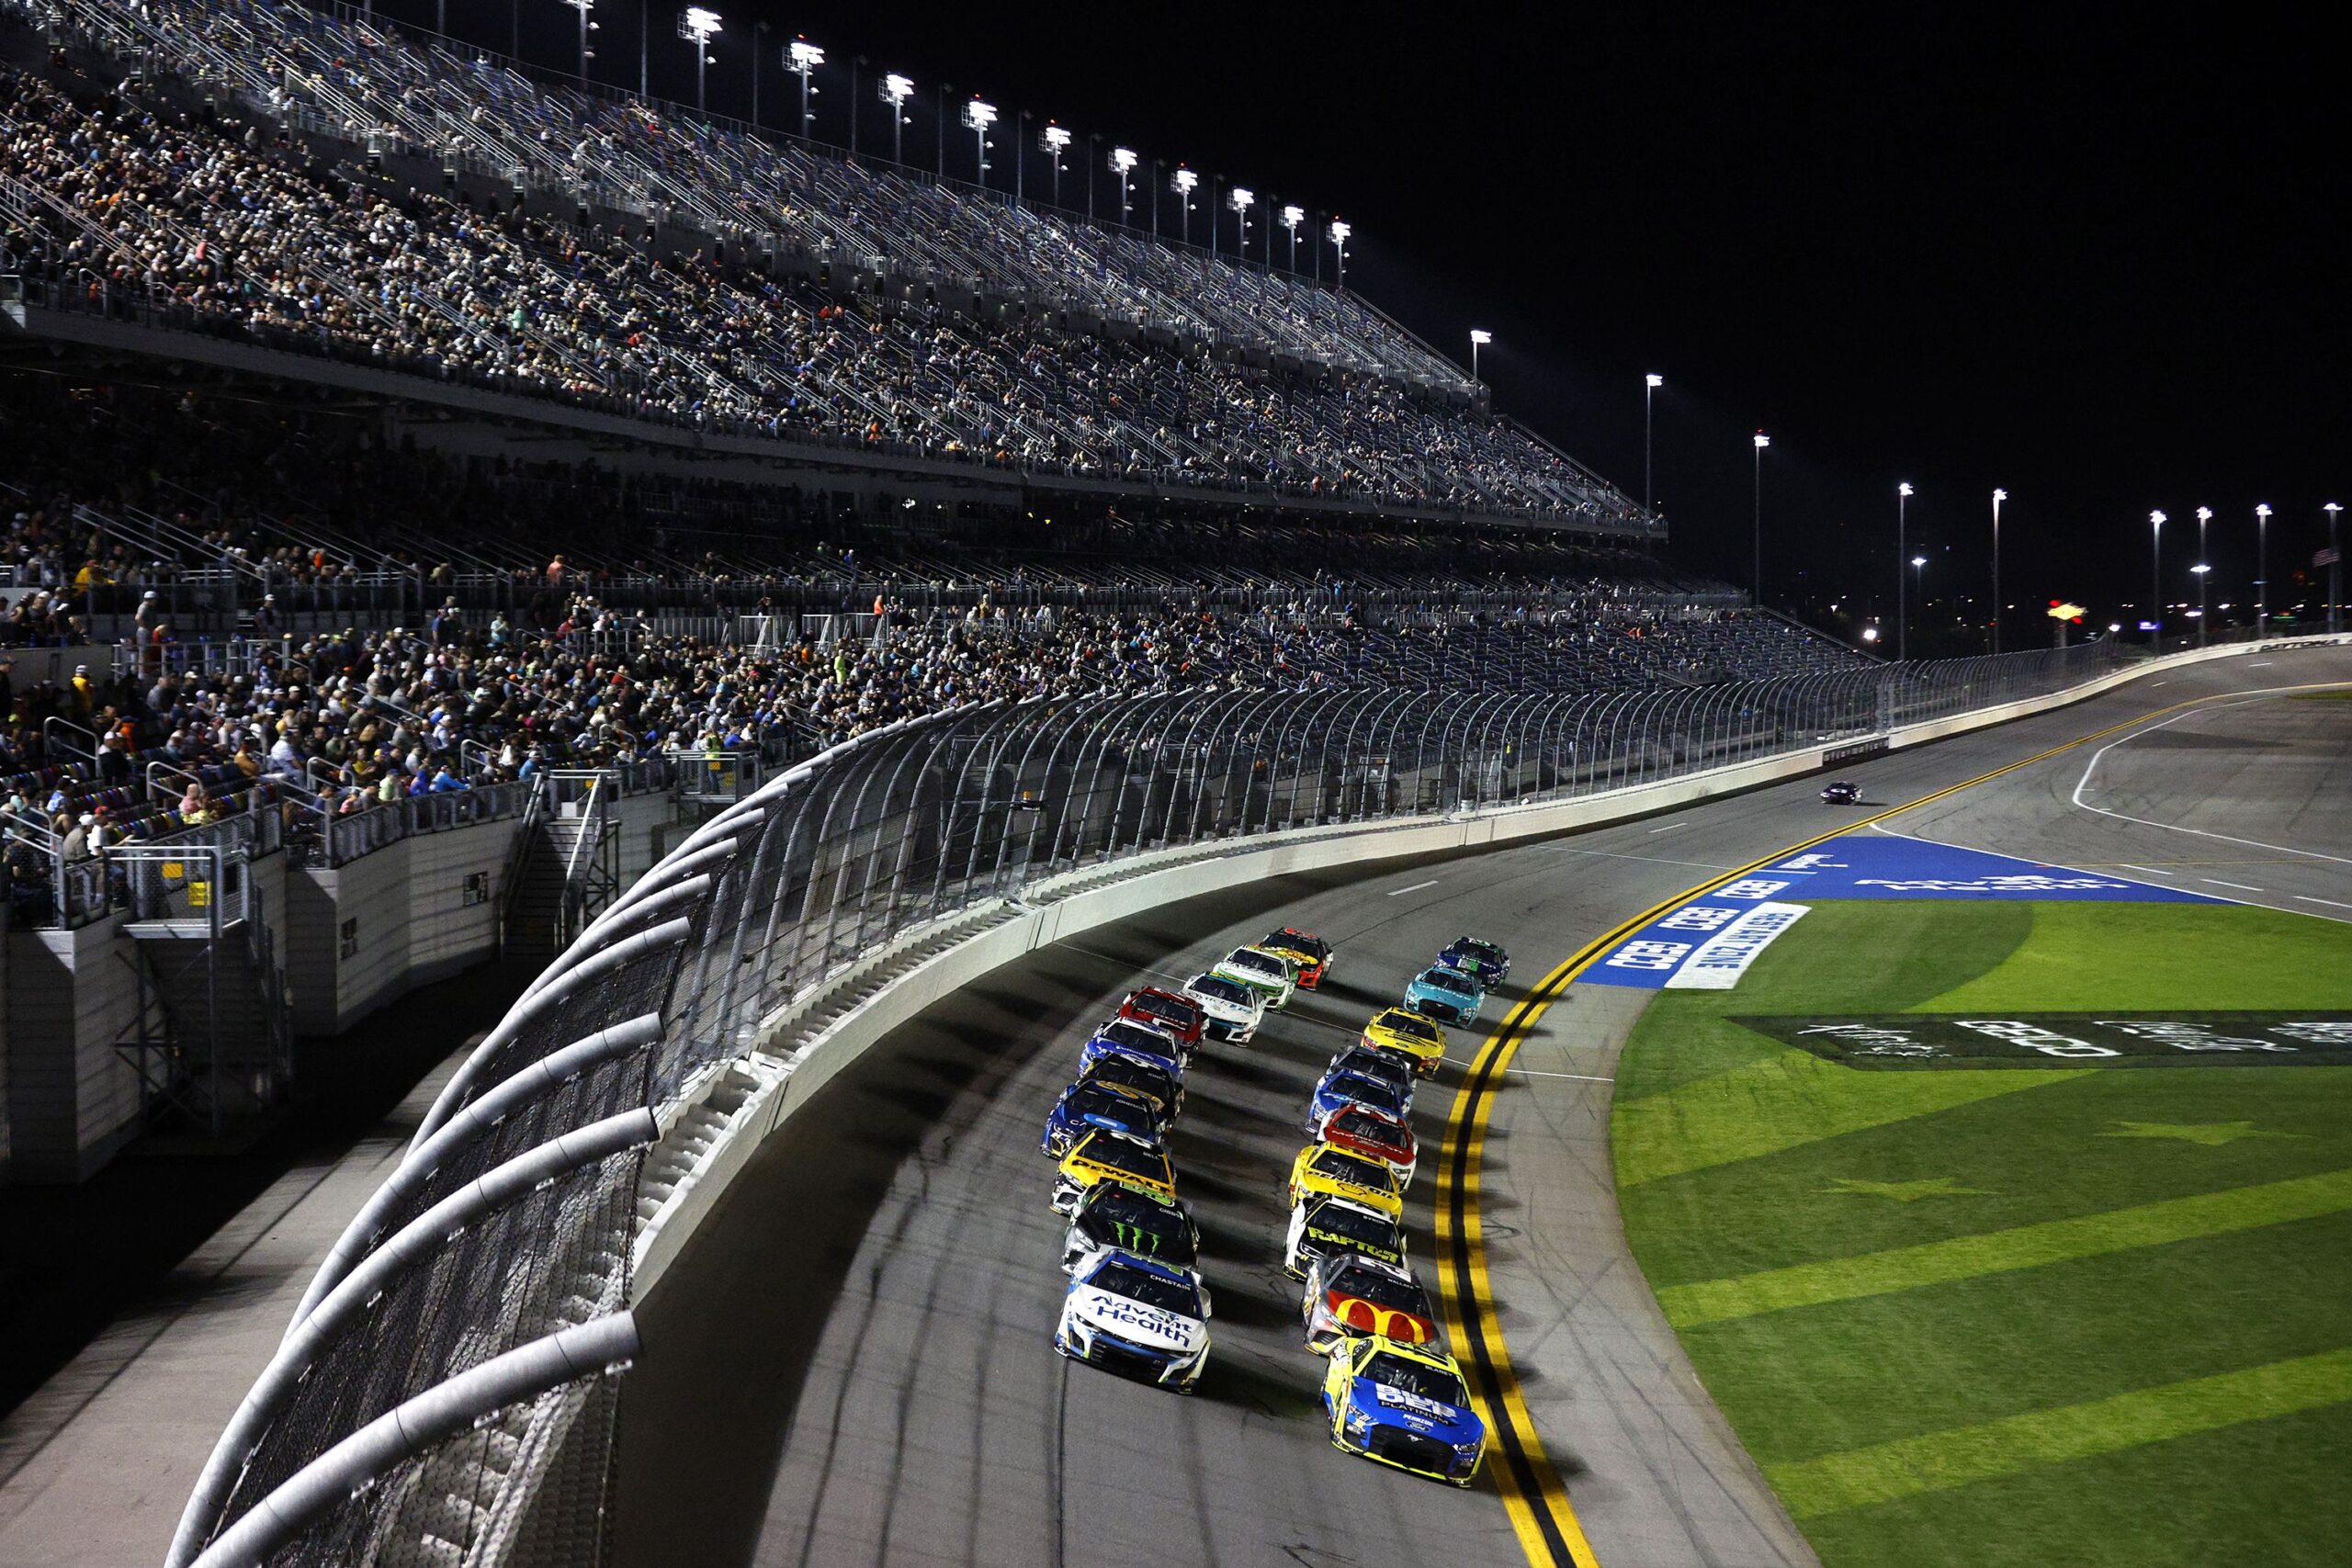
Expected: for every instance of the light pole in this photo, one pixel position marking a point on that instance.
(895, 90)
(759, 31)
(2155, 579)
(2262, 568)
(1292, 217)
(1478, 340)
(2204, 515)
(1123, 160)
(2335, 565)
(698, 27)
(584, 7)
(1055, 139)
(1998, 496)
(1919, 566)
(1901, 604)
(1756, 581)
(978, 116)
(1181, 182)
(1650, 384)
(805, 58)
(1339, 232)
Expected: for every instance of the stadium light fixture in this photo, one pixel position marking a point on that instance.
(895, 90)
(2202, 570)
(1650, 384)
(1479, 338)
(1292, 217)
(1998, 496)
(1238, 198)
(1055, 139)
(1339, 232)
(1756, 581)
(1181, 182)
(979, 115)
(698, 27)
(1123, 160)
(2204, 515)
(586, 27)
(2262, 567)
(2155, 578)
(1903, 493)
(803, 58)
(2334, 570)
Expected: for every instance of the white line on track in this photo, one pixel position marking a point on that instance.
(2329, 902)
(1580, 1077)
(2241, 886)
(2261, 664)
(1416, 887)
(2154, 684)
(2152, 870)
(1669, 828)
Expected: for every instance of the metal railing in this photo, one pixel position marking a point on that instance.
(779, 892)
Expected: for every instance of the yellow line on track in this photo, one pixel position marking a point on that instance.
(1535, 1497)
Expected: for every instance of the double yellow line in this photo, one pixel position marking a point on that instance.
(1532, 1493)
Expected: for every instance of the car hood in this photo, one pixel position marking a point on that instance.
(1135, 1321)
(1430, 1418)
(1225, 1011)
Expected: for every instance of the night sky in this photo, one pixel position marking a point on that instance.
(2095, 258)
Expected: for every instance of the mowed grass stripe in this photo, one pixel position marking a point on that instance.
(1934, 1462)
(2021, 1246)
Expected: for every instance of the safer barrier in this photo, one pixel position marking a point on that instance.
(519, 1213)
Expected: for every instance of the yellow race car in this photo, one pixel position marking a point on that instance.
(1105, 1156)
(1322, 1171)
(1405, 1406)
(1409, 1035)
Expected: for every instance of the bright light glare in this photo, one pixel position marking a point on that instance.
(1762, 441)
(2204, 515)
(1654, 380)
(1122, 159)
(806, 56)
(2157, 518)
(2201, 570)
(1918, 560)
(2000, 495)
(1904, 488)
(896, 89)
(978, 116)
(1241, 196)
(1056, 137)
(1292, 217)
(698, 25)
(1184, 180)
(1870, 633)
(2263, 510)
(1339, 231)
(1480, 336)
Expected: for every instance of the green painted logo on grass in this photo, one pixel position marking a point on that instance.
(2070, 1039)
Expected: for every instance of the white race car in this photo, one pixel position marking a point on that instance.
(1138, 1319)
(1234, 1010)
(1268, 973)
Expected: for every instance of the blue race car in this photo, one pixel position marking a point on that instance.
(1370, 1061)
(1093, 1104)
(1481, 961)
(1120, 1037)
(1338, 1090)
(1405, 1406)
(1448, 995)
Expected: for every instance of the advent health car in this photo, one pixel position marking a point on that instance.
(1138, 1319)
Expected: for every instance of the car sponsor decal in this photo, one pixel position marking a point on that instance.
(2071, 1040)
(1101, 1306)
(1360, 1317)
(1334, 1242)
(1129, 1237)
(1419, 1405)
(1723, 958)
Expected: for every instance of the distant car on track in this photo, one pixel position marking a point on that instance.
(1177, 1016)
(1120, 1037)
(1409, 1035)
(1446, 994)
(1321, 1226)
(1104, 1155)
(1349, 1295)
(1403, 1405)
(1268, 973)
(1092, 1103)
(1235, 1011)
(1309, 954)
(1374, 1133)
(1112, 1218)
(1841, 792)
(1487, 963)
(1138, 1319)
(1322, 1170)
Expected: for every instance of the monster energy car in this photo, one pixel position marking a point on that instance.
(1321, 1226)
(1112, 1218)
(1138, 1319)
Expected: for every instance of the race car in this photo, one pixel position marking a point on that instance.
(1363, 1130)
(1336, 1090)
(1307, 952)
(1268, 974)
(1139, 1076)
(1348, 1295)
(1112, 1218)
(1403, 1405)
(1138, 1319)
(1092, 1103)
(1323, 1227)
(1841, 792)
(1409, 1035)
(1101, 1156)
(1489, 964)
(1234, 1009)
(1388, 1067)
(1322, 1170)
(1445, 993)
(1122, 1038)
(1179, 1017)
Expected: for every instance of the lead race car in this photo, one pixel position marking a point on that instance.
(1484, 962)
(1138, 1319)
(1403, 1405)
(1309, 955)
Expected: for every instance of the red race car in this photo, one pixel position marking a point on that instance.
(1179, 1018)
(1361, 1130)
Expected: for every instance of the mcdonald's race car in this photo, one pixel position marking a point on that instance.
(1322, 1171)
(1321, 1228)
(1090, 1103)
(1361, 1130)
(1385, 1065)
(1104, 1155)
(1481, 961)
(1403, 1405)
(1446, 994)
(1137, 1076)
(1409, 1035)
(1138, 1319)
(1234, 1009)
(1268, 974)
(1178, 1016)
(1348, 1294)
(1112, 1218)
(1122, 1038)
(1336, 1090)
(1307, 952)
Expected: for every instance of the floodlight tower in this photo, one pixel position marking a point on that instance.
(1756, 585)
(1339, 232)
(1902, 603)
(1479, 338)
(698, 27)
(586, 27)
(2204, 515)
(1998, 496)
(1055, 139)
(2155, 579)
(2334, 567)
(978, 116)
(803, 58)
(1181, 182)
(1238, 198)
(2262, 567)
(1292, 217)
(1650, 384)
(1122, 162)
(895, 90)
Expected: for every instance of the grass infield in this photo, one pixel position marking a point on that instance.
(2032, 1317)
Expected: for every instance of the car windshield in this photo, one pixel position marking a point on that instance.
(1358, 1123)
(1415, 1377)
(1452, 980)
(1299, 941)
(1253, 963)
(1484, 952)
(1411, 1025)
(1125, 1155)
(1341, 1166)
(1168, 1008)
(1138, 1285)
(1127, 1220)
(1124, 1032)
(1356, 1085)
(1356, 1277)
(1219, 988)
(1372, 1065)
(1354, 1223)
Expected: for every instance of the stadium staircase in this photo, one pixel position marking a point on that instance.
(566, 863)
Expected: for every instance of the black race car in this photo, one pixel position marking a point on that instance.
(1841, 792)
(1119, 1219)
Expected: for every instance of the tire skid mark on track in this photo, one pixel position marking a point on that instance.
(1533, 1493)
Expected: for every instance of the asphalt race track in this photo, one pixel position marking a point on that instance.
(852, 1363)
